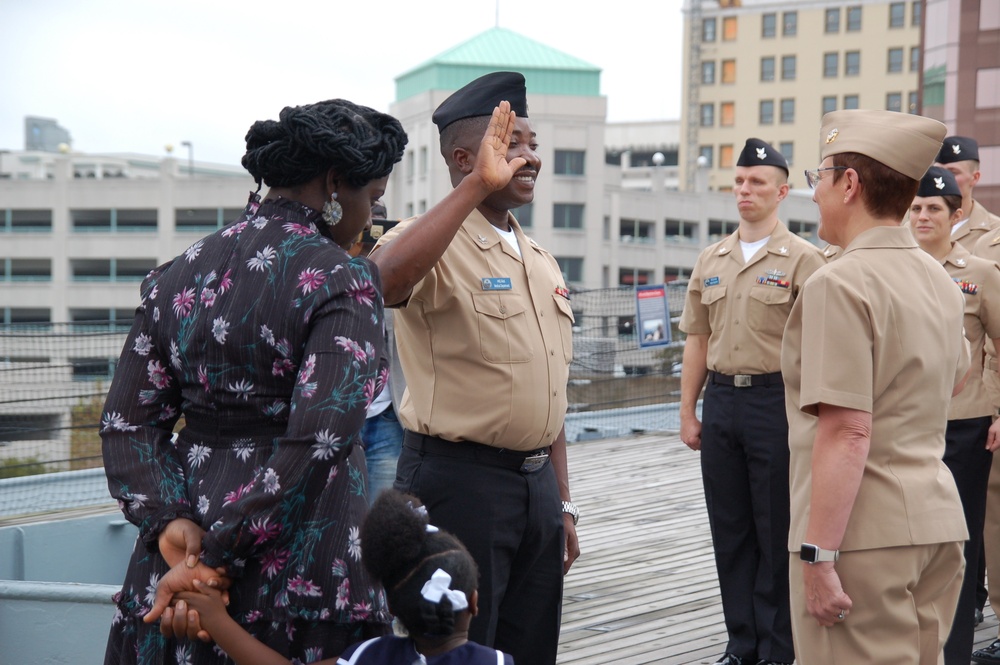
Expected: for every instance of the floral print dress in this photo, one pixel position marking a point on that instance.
(266, 337)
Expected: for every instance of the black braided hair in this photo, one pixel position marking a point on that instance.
(397, 549)
(362, 144)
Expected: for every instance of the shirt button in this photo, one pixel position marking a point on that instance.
(552, 352)
(503, 310)
(739, 295)
(554, 393)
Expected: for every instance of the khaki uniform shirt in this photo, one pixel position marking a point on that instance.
(879, 330)
(743, 307)
(485, 341)
(979, 281)
(981, 222)
(988, 247)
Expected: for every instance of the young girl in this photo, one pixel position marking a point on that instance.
(430, 583)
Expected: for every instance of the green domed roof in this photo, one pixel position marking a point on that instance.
(546, 70)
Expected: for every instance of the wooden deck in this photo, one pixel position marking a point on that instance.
(644, 589)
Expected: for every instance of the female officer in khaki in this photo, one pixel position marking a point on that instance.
(933, 212)
(872, 353)
(738, 299)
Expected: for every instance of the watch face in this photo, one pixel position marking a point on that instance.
(809, 553)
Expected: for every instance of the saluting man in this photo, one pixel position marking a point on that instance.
(484, 334)
(739, 297)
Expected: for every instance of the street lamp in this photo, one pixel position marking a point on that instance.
(187, 144)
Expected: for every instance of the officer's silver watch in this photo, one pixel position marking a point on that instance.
(570, 507)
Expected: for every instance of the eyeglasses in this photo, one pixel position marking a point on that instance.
(812, 175)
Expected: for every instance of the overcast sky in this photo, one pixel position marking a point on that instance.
(135, 75)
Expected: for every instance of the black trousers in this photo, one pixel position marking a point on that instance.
(744, 467)
(512, 524)
(966, 456)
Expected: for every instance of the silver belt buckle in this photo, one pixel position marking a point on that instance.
(533, 463)
(742, 380)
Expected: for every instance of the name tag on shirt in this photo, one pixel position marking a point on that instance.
(712, 281)
(496, 284)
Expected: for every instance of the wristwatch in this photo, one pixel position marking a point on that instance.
(570, 507)
(815, 554)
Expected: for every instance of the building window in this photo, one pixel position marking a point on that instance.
(676, 229)
(707, 115)
(788, 63)
(422, 164)
(718, 228)
(802, 229)
(768, 25)
(203, 220)
(897, 14)
(708, 30)
(569, 162)
(705, 154)
(851, 102)
(766, 112)
(852, 63)
(829, 105)
(726, 156)
(854, 19)
(831, 21)
(727, 114)
(767, 69)
(831, 65)
(916, 8)
(895, 64)
(913, 102)
(708, 72)
(523, 215)
(790, 24)
(729, 29)
(915, 59)
(632, 277)
(729, 71)
(894, 101)
(636, 231)
(787, 111)
(571, 267)
(787, 150)
(25, 221)
(567, 216)
(26, 270)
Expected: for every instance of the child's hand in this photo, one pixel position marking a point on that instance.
(181, 578)
(206, 607)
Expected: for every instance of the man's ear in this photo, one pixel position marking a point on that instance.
(464, 159)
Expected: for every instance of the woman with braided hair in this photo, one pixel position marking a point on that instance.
(430, 582)
(266, 337)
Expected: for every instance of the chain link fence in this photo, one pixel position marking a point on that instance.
(54, 378)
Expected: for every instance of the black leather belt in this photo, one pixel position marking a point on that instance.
(528, 461)
(746, 380)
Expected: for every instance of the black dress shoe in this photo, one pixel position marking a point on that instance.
(987, 655)
(771, 662)
(733, 659)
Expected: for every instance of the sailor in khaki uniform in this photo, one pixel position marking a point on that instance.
(484, 334)
(872, 353)
(738, 299)
(933, 212)
(960, 155)
(988, 247)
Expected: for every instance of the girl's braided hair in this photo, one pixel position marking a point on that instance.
(402, 554)
(360, 143)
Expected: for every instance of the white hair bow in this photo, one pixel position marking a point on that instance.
(439, 586)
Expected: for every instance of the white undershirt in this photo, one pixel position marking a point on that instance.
(750, 248)
(511, 239)
(956, 227)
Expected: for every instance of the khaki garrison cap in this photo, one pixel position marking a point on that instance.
(904, 142)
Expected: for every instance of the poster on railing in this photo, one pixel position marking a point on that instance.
(652, 315)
